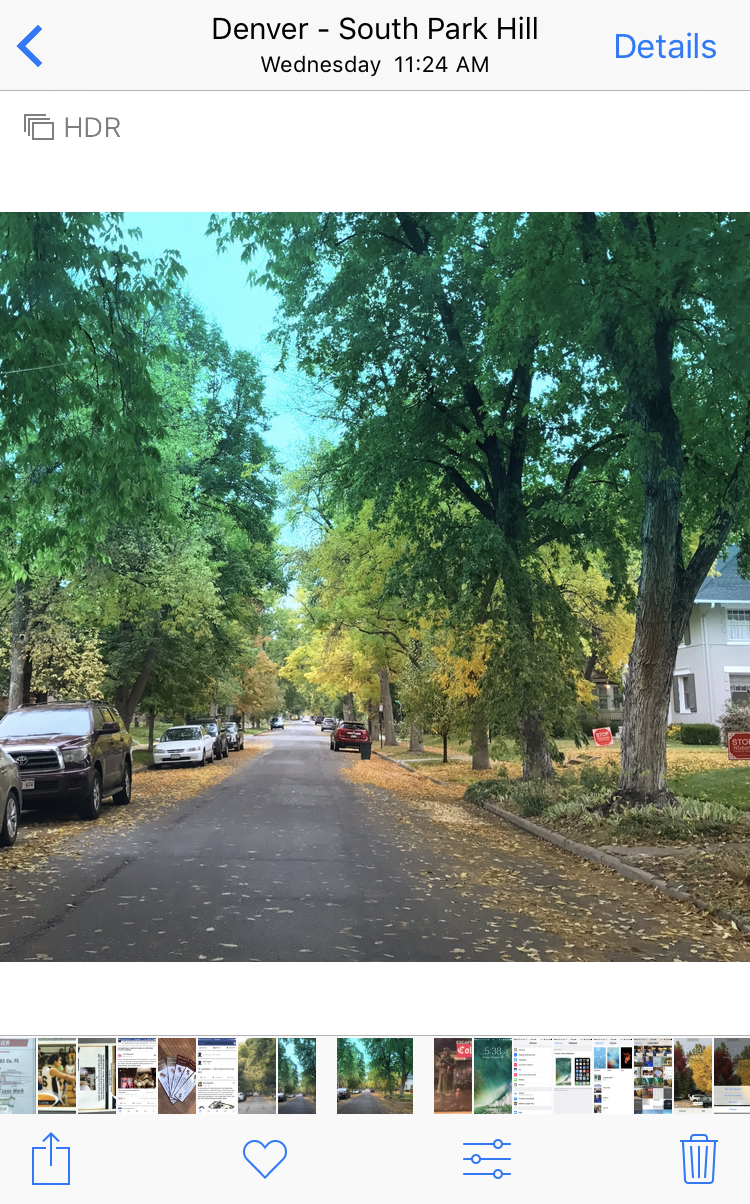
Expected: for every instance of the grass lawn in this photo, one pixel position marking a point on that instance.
(141, 756)
(729, 785)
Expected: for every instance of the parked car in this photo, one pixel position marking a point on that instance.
(280, 1096)
(350, 735)
(342, 1093)
(328, 724)
(190, 744)
(235, 736)
(221, 744)
(241, 1097)
(10, 792)
(76, 752)
(277, 722)
(318, 720)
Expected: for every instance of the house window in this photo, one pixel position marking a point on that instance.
(683, 694)
(738, 626)
(603, 697)
(739, 687)
(685, 641)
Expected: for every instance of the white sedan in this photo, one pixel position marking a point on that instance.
(179, 745)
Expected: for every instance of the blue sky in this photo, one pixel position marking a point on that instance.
(245, 314)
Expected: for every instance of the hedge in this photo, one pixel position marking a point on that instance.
(700, 733)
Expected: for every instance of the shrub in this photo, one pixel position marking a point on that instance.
(700, 733)
(734, 718)
(489, 790)
(600, 777)
(531, 798)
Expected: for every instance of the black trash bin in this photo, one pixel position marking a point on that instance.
(365, 751)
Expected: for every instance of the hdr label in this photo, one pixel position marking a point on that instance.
(41, 128)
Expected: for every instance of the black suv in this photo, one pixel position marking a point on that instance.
(76, 752)
(221, 744)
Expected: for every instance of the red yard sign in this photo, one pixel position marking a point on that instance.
(738, 744)
(603, 736)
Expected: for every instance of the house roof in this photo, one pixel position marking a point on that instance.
(728, 586)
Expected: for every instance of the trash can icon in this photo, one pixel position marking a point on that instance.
(698, 1158)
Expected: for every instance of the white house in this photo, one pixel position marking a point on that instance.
(713, 661)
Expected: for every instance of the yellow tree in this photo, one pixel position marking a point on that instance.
(702, 1067)
(259, 694)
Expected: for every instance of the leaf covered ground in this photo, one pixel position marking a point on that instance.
(542, 904)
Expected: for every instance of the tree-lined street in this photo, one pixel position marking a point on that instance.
(290, 859)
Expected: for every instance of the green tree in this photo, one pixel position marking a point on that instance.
(81, 415)
(257, 1065)
(458, 414)
(667, 309)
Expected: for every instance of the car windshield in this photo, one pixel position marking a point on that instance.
(182, 733)
(212, 728)
(46, 723)
(361, 726)
(229, 727)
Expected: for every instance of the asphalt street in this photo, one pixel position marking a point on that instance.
(256, 1104)
(298, 1104)
(364, 1104)
(289, 860)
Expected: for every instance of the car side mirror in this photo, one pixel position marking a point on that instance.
(109, 729)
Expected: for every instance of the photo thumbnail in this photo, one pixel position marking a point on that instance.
(57, 1074)
(375, 1076)
(452, 1075)
(256, 1075)
(297, 1075)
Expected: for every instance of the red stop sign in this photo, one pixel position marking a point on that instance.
(603, 736)
(739, 746)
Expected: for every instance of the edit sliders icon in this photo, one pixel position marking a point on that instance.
(39, 127)
(478, 1160)
(50, 1166)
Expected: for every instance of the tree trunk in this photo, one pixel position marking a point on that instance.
(480, 755)
(20, 663)
(151, 717)
(445, 750)
(537, 762)
(416, 739)
(348, 707)
(385, 698)
(128, 698)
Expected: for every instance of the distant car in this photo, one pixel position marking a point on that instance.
(190, 744)
(700, 1101)
(277, 723)
(241, 1097)
(350, 735)
(305, 718)
(235, 736)
(68, 752)
(356, 1091)
(328, 724)
(318, 720)
(280, 1096)
(342, 1093)
(221, 744)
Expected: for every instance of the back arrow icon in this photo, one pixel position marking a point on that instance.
(23, 46)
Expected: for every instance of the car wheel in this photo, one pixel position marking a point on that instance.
(123, 795)
(226, 752)
(202, 762)
(9, 830)
(91, 807)
(336, 747)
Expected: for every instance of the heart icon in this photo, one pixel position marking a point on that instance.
(263, 1156)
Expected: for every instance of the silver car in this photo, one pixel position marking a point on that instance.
(10, 798)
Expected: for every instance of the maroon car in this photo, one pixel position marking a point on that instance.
(70, 752)
(351, 735)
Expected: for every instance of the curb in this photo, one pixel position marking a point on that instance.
(589, 853)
